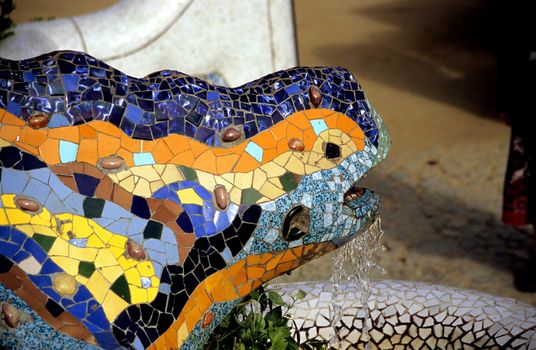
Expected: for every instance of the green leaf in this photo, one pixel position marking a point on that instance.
(301, 294)
(276, 298)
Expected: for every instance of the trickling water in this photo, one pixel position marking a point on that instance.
(352, 263)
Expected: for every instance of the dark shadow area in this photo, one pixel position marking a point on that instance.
(444, 50)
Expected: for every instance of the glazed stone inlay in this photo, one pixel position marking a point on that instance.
(136, 212)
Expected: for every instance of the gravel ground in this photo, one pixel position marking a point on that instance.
(430, 74)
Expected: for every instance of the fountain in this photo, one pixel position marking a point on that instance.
(137, 212)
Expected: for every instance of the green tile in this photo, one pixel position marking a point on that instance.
(120, 287)
(45, 242)
(93, 207)
(86, 268)
(289, 181)
(188, 173)
(153, 230)
(250, 196)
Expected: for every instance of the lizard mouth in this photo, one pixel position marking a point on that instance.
(353, 195)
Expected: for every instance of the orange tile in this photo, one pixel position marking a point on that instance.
(206, 161)
(68, 133)
(185, 158)
(309, 138)
(197, 147)
(240, 278)
(33, 137)
(107, 145)
(87, 131)
(177, 143)
(265, 140)
(300, 120)
(50, 150)
(106, 128)
(255, 272)
(162, 153)
(10, 132)
(87, 151)
(245, 164)
(130, 144)
(294, 131)
(225, 164)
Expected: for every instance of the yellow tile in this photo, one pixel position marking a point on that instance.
(105, 258)
(111, 273)
(42, 218)
(17, 217)
(259, 177)
(188, 196)
(113, 305)
(142, 188)
(67, 264)
(128, 183)
(244, 180)
(271, 191)
(273, 169)
(95, 285)
(147, 172)
(102, 233)
(3, 217)
(124, 262)
(206, 180)
(182, 334)
(59, 248)
(151, 293)
(282, 159)
(138, 295)
(171, 174)
(229, 177)
(85, 254)
(145, 268)
(156, 185)
(235, 195)
(81, 279)
(117, 252)
(8, 201)
(94, 241)
(133, 277)
(294, 165)
(117, 241)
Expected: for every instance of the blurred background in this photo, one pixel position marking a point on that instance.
(429, 68)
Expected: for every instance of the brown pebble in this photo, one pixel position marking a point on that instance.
(38, 121)
(315, 95)
(10, 315)
(222, 196)
(135, 250)
(27, 204)
(111, 162)
(230, 134)
(296, 144)
(207, 319)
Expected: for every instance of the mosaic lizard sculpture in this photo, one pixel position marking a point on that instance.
(135, 213)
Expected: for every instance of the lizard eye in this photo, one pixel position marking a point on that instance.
(332, 151)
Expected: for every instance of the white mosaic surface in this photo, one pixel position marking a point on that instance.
(413, 315)
(241, 40)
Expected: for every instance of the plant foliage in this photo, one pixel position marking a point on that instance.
(260, 321)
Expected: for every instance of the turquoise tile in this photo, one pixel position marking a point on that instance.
(319, 125)
(255, 151)
(143, 158)
(68, 151)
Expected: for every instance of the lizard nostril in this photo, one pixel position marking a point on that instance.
(296, 223)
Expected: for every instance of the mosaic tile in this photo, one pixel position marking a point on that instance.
(133, 207)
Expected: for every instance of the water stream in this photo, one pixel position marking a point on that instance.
(352, 265)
